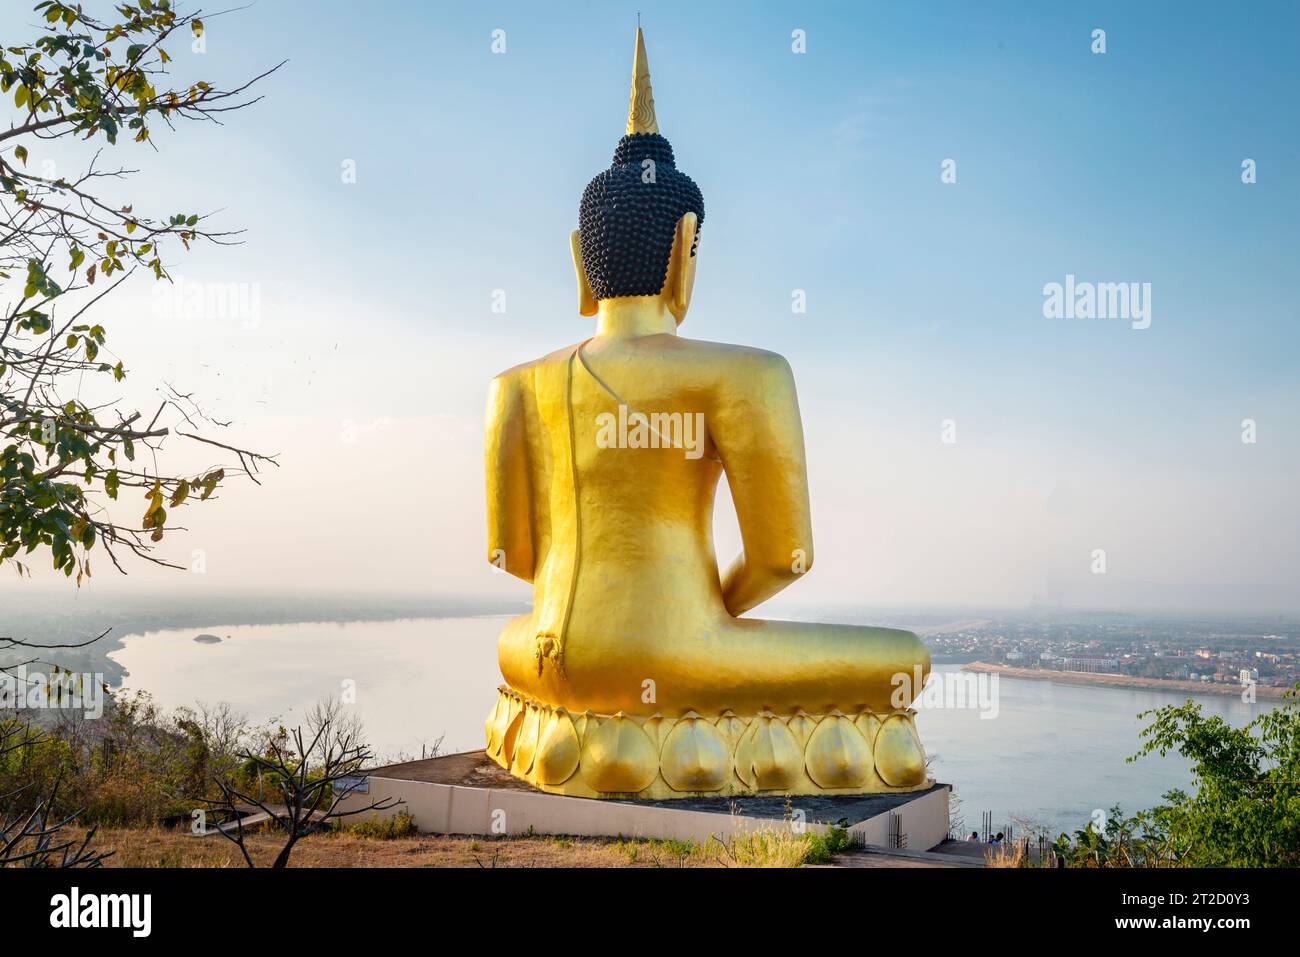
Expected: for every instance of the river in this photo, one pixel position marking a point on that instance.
(1052, 755)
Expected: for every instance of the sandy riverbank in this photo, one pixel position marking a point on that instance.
(1121, 681)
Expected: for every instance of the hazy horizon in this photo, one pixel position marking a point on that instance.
(504, 601)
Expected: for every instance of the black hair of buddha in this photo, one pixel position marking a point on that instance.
(626, 224)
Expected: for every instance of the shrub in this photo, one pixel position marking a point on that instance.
(822, 847)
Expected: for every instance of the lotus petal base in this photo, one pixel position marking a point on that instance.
(656, 757)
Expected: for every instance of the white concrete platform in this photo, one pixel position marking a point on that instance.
(468, 794)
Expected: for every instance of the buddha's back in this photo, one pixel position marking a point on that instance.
(642, 471)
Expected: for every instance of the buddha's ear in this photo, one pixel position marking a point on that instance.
(681, 267)
(586, 301)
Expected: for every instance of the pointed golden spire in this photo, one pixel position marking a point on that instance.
(641, 108)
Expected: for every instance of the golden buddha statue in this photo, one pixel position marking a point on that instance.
(635, 674)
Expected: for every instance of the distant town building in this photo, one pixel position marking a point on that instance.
(1093, 664)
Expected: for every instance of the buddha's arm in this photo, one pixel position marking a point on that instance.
(510, 534)
(759, 435)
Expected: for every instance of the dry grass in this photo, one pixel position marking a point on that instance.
(778, 848)
(158, 847)
(1006, 855)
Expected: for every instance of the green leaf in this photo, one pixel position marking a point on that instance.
(182, 492)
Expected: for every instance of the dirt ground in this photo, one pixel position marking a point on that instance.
(157, 847)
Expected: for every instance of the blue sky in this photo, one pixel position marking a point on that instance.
(820, 172)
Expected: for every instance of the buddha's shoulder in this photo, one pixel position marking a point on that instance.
(699, 355)
(735, 365)
(525, 371)
(726, 353)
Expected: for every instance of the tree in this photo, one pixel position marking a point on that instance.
(32, 835)
(1138, 841)
(65, 246)
(1244, 810)
(304, 773)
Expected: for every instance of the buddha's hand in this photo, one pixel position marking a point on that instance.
(549, 647)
